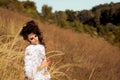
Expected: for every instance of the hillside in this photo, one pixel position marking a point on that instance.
(101, 21)
(75, 56)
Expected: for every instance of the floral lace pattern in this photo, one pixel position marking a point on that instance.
(34, 54)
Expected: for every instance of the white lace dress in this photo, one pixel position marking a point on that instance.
(34, 54)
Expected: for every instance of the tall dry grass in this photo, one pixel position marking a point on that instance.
(74, 56)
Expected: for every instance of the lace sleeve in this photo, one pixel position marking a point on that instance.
(28, 64)
(42, 52)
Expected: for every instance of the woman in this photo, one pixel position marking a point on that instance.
(35, 60)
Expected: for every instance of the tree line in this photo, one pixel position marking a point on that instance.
(102, 20)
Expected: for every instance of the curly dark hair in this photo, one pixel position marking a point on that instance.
(31, 27)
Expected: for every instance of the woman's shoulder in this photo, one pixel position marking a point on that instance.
(29, 49)
(40, 46)
(32, 47)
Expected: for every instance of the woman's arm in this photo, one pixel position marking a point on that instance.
(28, 66)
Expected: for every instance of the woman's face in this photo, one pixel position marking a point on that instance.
(33, 38)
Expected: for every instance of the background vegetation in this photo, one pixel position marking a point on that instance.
(74, 56)
(102, 20)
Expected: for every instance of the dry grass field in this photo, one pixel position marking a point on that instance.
(74, 56)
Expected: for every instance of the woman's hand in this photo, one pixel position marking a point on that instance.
(45, 63)
(48, 60)
(46, 73)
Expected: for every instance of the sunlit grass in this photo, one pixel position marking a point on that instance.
(12, 53)
(12, 61)
(55, 71)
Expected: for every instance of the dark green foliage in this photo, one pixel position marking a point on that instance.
(46, 12)
(102, 20)
(77, 26)
(107, 13)
(60, 19)
(30, 9)
(27, 8)
(3, 3)
(29, 4)
(90, 30)
(71, 15)
(9, 4)
(85, 16)
(116, 32)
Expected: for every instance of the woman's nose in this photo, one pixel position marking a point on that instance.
(35, 38)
